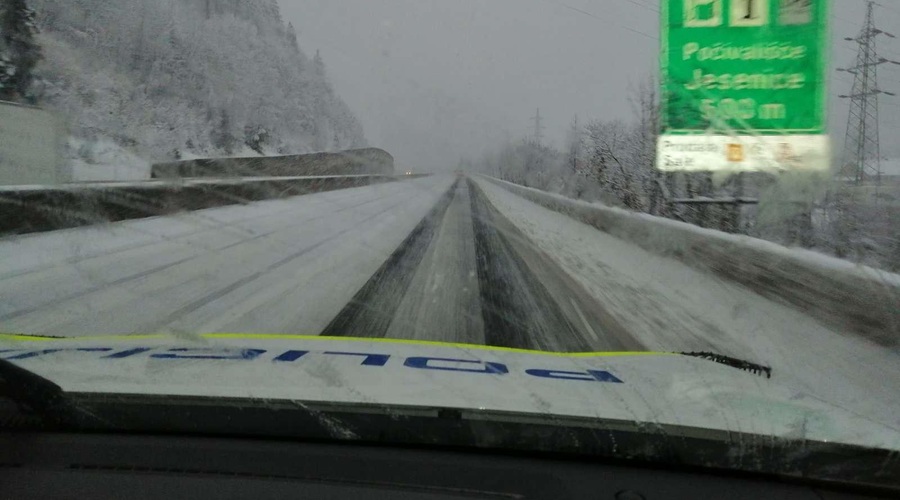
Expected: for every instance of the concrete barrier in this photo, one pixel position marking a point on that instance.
(29, 209)
(370, 161)
(30, 146)
(837, 292)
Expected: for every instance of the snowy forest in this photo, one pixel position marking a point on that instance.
(612, 162)
(172, 79)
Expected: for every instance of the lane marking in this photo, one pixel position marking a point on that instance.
(250, 336)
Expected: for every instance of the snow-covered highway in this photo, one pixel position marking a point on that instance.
(275, 266)
(441, 258)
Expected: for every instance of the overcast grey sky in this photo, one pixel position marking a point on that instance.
(435, 79)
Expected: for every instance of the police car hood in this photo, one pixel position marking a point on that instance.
(659, 388)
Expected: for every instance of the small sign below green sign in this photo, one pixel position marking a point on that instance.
(735, 71)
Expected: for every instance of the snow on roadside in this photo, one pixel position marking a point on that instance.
(671, 307)
(791, 253)
(41, 250)
(104, 160)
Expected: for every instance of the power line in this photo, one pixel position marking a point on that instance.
(603, 19)
(639, 4)
(896, 10)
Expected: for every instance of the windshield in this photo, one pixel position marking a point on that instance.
(671, 212)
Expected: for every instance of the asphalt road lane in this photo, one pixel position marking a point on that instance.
(428, 289)
(529, 300)
(425, 259)
(374, 308)
(468, 275)
(443, 300)
(282, 266)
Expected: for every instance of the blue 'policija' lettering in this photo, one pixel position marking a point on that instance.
(376, 360)
(488, 367)
(206, 353)
(290, 356)
(368, 359)
(589, 376)
(34, 354)
(129, 353)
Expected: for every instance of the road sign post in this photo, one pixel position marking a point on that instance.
(744, 85)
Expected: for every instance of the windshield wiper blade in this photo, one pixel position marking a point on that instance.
(740, 364)
(34, 394)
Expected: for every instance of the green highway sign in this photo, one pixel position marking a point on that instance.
(744, 84)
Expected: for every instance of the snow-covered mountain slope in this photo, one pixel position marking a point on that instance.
(173, 79)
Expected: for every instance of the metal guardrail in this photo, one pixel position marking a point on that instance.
(157, 183)
(716, 201)
(367, 161)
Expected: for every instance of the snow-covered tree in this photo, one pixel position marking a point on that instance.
(19, 52)
(292, 36)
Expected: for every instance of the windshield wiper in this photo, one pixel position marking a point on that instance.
(740, 364)
(34, 394)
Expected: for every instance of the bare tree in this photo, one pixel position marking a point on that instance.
(645, 105)
(611, 162)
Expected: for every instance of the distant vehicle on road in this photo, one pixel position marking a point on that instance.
(409, 172)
